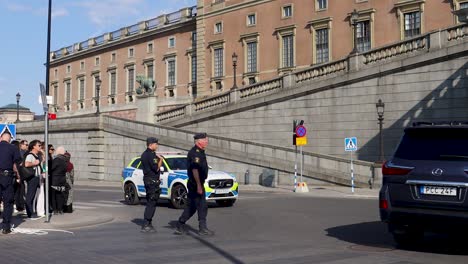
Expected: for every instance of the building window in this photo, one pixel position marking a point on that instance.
(251, 57)
(67, 94)
(113, 57)
(171, 42)
(82, 65)
(251, 20)
(150, 48)
(322, 4)
(218, 62)
(96, 61)
(82, 88)
(288, 51)
(252, 80)
(68, 68)
(287, 11)
(131, 52)
(96, 77)
(194, 69)
(463, 5)
(412, 24)
(218, 28)
(130, 79)
(55, 94)
(322, 45)
(171, 71)
(113, 83)
(150, 70)
(363, 36)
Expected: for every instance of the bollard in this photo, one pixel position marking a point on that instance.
(247, 177)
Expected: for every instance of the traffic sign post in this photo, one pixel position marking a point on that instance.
(351, 146)
(299, 139)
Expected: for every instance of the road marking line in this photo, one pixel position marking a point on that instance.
(36, 231)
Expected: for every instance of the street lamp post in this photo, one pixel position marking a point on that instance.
(98, 93)
(380, 112)
(354, 18)
(234, 66)
(18, 97)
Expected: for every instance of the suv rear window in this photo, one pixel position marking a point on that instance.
(434, 144)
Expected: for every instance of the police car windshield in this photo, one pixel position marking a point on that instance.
(179, 163)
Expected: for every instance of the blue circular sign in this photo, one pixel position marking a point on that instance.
(301, 131)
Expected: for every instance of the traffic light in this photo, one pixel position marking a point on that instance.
(296, 123)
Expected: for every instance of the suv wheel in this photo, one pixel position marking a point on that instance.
(131, 194)
(179, 196)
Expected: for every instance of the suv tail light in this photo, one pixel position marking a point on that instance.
(388, 168)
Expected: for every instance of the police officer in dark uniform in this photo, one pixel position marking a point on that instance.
(151, 164)
(10, 159)
(197, 172)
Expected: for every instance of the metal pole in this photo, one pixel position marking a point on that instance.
(295, 168)
(17, 110)
(235, 82)
(352, 173)
(46, 114)
(381, 139)
(302, 162)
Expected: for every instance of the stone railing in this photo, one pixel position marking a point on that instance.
(389, 51)
(155, 23)
(260, 88)
(173, 113)
(430, 41)
(321, 70)
(212, 102)
(457, 32)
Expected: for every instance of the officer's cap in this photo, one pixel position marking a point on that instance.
(199, 136)
(151, 140)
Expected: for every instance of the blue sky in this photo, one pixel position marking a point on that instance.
(24, 35)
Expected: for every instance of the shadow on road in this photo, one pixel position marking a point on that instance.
(193, 233)
(375, 235)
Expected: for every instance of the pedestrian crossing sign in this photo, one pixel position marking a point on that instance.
(350, 144)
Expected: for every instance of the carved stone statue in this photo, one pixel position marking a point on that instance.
(147, 85)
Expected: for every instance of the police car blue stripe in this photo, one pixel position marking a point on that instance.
(141, 188)
(178, 175)
(127, 172)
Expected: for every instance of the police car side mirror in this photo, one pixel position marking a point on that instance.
(161, 169)
(209, 167)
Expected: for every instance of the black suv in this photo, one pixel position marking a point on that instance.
(425, 183)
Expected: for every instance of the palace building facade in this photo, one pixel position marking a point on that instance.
(219, 45)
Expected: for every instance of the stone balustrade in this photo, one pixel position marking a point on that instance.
(132, 30)
(390, 51)
(321, 70)
(212, 102)
(173, 113)
(457, 32)
(260, 88)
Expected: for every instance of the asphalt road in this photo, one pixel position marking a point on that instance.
(259, 228)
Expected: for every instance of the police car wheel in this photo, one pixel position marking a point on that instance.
(179, 196)
(131, 195)
(225, 203)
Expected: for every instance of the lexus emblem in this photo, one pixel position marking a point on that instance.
(437, 172)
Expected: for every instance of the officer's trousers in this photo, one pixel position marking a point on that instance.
(196, 203)
(153, 191)
(7, 194)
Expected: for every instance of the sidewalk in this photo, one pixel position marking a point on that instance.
(77, 219)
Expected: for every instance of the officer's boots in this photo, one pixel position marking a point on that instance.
(148, 228)
(181, 229)
(204, 231)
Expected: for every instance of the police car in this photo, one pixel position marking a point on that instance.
(219, 186)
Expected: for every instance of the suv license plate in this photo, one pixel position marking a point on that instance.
(222, 191)
(438, 190)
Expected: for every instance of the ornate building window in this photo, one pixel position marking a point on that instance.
(287, 52)
(410, 17)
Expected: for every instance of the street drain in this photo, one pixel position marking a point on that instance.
(364, 248)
